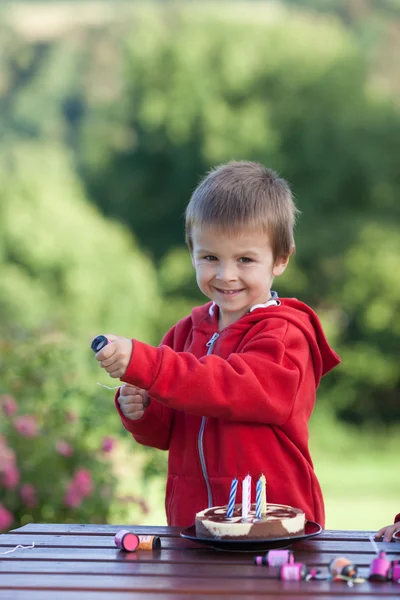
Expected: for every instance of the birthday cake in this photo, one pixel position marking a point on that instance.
(278, 521)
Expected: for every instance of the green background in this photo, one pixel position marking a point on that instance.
(110, 113)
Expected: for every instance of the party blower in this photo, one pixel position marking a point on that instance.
(98, 343)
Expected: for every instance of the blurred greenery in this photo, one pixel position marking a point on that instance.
(109, 117)
(55, 447)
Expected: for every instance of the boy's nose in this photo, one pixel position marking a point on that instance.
(227, 272)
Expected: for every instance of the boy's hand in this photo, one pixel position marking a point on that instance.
(387, 532)
(115, 357)
(133, 401)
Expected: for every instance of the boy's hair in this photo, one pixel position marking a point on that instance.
(242, 195)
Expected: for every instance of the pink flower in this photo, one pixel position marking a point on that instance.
(83, 482)
(80, 486)
(10, 477)
(7, 456)
(28, 495)
(107, 443)
(64, 448)
(72, 496)
(8, 405)
(6, 519)
(27, 426)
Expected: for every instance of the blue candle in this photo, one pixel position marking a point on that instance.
(232, 498)
(259, 498)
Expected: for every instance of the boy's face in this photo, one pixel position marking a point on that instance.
(235, 271)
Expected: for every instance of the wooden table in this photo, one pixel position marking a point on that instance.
(81, 561)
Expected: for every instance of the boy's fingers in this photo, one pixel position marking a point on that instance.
(380, 533)
(135, 416)
(105, 353)
(117, 373)
(111, 337)
(132, 406)
(129, 390)
(389, 533)
(128, 400)
(108, 362)
(132, 410)
(386, 533)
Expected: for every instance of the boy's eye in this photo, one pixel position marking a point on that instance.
(210, 257)
(245, 259)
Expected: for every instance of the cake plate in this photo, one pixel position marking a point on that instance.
(396, 536)
(311, 530)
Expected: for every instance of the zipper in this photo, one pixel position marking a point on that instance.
(210, 345)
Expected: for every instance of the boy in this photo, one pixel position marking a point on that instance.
(231, 388)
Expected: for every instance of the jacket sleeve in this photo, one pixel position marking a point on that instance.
(154, 428)
(257, 384)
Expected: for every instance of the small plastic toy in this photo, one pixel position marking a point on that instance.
(379, 569)
(274, 558)
(98, 343)
(342, 568)
(126, 540)
(395, 571)
(292, 571)
(130, 542)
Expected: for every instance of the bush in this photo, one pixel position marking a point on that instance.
(55, 451)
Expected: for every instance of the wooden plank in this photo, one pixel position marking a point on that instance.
(99, 595)
(198, 556)
(107, 529)
(90, 529)
(82, 541)
(100, 542)
(129, 594)
(232, 587)
(218, 571)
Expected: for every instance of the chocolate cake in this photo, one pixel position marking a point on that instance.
(279, 521)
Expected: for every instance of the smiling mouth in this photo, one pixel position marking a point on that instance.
(228, 292)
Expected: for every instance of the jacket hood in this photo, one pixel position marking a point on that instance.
(292, 311)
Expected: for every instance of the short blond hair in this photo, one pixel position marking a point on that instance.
(244, 195)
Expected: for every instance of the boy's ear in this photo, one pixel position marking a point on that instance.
(280, 265)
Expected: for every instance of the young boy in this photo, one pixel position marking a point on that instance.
(231, 388)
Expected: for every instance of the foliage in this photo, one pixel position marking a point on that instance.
(55, 448)
(62, 265)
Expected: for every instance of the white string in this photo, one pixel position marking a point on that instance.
(106, 386)
(19, 546)
(375, 547)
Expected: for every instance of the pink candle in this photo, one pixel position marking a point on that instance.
(246, 497)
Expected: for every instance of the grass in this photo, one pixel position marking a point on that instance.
(358, 472)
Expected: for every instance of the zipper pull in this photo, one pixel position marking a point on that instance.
(212, 340)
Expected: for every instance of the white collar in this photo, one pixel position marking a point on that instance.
(271, 302)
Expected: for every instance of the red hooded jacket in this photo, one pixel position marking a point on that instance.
(233, 403)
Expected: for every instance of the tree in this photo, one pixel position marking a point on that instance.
(63, 266)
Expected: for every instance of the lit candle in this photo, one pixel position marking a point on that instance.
(232, 498)
(263, 495)
(259, 496)
(246, 497)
